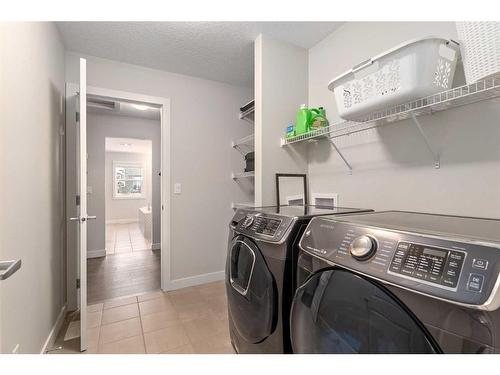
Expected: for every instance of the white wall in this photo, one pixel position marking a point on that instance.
(392, 168)
(280, 89)
(32, 168)
(126, 209)
(98, 128)
(204, 120)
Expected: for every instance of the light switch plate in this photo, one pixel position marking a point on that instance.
(177, 188)
(89, 190)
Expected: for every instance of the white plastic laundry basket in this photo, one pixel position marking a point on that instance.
(412, 70)
(480, 45)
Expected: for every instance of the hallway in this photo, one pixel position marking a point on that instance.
(125, 238)
(130, 266)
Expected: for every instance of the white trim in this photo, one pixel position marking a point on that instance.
(51, 338)
(165, 177)
(83, 224)
(96, 253)
(122, 221)
(197, 280)
(156, 246)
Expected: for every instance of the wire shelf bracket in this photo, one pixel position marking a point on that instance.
(236, 176)
(341, 156)
(435, 154)
(244, 145)
(248, 115)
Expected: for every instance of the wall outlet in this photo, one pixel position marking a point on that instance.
(16, 349)
(177, 188)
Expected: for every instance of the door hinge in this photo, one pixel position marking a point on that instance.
(77, 200)
(77, 283)
(77, 116)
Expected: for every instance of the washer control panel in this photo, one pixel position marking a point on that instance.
(267, 227)
(438, 266)
(464, 272)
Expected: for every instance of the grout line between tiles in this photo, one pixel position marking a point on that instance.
(142, 328)
(110, 342)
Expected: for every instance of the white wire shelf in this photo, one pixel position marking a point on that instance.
(242, 205)
(248, 114)
(235, 176)
(456, 97)
(245, 141)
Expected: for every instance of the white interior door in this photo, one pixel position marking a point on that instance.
(82, 216)
(82, 173)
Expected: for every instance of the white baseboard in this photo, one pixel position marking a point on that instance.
(54, 331)
(96, 253)
(122, 221)
(196, 280)
(156, 246)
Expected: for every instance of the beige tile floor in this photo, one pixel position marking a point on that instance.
(190, 320)
(125, 238)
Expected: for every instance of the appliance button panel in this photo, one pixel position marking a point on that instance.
(480, 264)
(475, 283)
(266, 226)
(436, 265)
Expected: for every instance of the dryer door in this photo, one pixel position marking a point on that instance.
(251, 291)
(337, 311)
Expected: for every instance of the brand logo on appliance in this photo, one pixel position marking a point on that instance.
(320, 251)
(327, 226)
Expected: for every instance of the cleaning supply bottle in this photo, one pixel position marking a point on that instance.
(303, 120)
(318, 118)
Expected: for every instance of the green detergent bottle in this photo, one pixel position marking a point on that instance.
(318, 118)
(303, 120)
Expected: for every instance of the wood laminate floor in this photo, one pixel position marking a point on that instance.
(123, 274)
(130, 267)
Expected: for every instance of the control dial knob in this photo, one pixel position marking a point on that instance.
(248, 221)
(363, 247)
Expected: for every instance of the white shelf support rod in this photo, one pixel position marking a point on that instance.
(342, 156)
(237, 147)
(435, 155)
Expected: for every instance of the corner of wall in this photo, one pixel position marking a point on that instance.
(277, 98)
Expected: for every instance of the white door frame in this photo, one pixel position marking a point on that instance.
(165, 239)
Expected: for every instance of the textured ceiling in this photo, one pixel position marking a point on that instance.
(220, 51)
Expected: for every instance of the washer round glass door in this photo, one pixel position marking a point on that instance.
(251, 291)
(337, 311)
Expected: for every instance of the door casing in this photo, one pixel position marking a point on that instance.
(165, 241)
